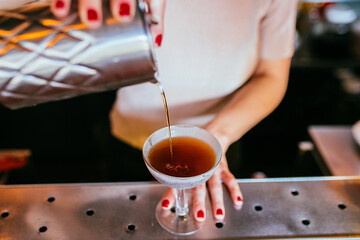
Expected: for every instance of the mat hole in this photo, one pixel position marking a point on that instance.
(342, 206)
(219, 224)
(90, 212)
(132, 197)
(294, 192)
(51, 199)
(130, 227)
(43, 229)
(305, 222)
(258, 208)
(5, 214)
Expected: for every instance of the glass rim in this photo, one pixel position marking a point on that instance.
(184, 178)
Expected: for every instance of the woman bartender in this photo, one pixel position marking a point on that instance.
(224, 66)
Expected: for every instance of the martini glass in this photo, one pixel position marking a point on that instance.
(182, 221)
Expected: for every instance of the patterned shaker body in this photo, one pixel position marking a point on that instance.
(43, 58)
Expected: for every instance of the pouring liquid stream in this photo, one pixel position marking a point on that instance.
(172, 165)
(167, 117)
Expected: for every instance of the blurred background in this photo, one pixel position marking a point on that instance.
(70, 140)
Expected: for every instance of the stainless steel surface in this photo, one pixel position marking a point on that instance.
(335, 150)
(43, 58)
(273, 208)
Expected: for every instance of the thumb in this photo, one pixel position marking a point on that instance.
(157, 11)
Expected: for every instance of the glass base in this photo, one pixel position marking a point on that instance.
(178, 225)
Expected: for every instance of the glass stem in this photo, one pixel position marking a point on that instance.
(182, 207)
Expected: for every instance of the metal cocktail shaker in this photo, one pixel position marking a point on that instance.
(43, 58)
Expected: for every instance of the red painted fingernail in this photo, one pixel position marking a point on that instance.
(124, 9)
(200, 214)
(239, 199)
(165, 203)
(59, 4)
(219, 211)
(158, 40)
(92, 15)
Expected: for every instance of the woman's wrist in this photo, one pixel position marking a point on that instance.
(223, 139)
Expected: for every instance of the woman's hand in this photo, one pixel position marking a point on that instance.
(90, 12)
(222, 173)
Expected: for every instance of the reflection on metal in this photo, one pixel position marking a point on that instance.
(43, 58)
(273, 208)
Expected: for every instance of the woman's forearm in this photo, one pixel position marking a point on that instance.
(251, 103)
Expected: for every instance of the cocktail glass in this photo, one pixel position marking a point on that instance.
(181, 221)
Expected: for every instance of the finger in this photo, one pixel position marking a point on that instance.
(60, 8)
(123, 10)
(90, 12)
(233, 187)
(216, 193)
(199, 210)
(168, 199)
(157, 11)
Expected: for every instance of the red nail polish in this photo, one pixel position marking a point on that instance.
(124, 9)
(92, 15)
(200, 214)
(158, 40)
(219, 211)
(165, 203)
(239, 199)
(59, 4)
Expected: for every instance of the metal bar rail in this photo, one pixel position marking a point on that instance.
(320, 207)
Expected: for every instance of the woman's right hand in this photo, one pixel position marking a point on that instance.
(90, 12)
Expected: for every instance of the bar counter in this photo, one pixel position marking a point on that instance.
(318, 207)
(335, 150)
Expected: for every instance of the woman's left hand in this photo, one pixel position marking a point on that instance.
(222, 173)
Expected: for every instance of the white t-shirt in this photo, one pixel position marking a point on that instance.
(209, 49)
